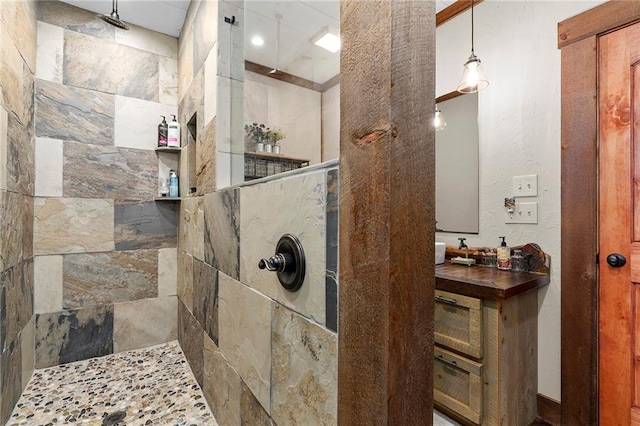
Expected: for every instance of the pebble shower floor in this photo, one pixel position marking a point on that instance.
(152, 386)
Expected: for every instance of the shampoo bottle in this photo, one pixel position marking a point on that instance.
(173, 184)
(174, 133)
(162, 132)
(504, 255)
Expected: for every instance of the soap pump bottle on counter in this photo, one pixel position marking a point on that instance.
(174, 133)
(173, 184)
(504, 255)
(163, 130)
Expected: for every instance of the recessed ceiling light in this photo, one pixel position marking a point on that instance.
(327, 38)
(257, 41)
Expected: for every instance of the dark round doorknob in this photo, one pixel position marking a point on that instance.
(616, 260)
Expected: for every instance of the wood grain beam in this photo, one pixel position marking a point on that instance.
(579, 224)
(613, 14)
(387, 216)
(454, 10)
(282, 76)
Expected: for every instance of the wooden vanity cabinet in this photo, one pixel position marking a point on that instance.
(486, 342)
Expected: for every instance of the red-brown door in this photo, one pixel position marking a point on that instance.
(619, 221)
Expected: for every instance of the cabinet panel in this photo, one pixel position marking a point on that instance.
(457, 384)
(458, 323)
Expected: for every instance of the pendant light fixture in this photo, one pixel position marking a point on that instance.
(473, 77)
(438, 120)
(114, 18)
(278, 19)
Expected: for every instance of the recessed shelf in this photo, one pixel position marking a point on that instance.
(168, 149)
(167, 199)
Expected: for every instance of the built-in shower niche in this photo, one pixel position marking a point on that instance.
(191, 148)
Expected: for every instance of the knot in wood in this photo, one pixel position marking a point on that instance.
(371, 137)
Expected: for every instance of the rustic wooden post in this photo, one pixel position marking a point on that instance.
(387, 212)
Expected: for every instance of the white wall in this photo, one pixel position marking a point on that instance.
(331, 123)
(292, 108)
(519, 125)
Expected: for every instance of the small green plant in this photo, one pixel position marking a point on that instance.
(276, 135)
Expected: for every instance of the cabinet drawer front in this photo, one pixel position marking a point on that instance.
(457, 384)
(458, 323)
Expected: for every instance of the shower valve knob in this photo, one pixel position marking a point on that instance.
(288, 262)
(277, 263)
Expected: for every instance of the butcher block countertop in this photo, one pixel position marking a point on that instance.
(486, 283)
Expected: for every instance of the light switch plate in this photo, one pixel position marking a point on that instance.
(525, 186)
(524, 213)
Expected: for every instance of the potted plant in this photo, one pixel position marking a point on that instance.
(268, 140)
(276, 136)
(256, 133)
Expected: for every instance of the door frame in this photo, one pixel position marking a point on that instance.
(578, 39)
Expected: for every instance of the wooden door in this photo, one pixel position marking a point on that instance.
(619, 222)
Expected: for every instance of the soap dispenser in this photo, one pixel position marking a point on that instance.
(174, 133)
(504, 255)
(163, 130)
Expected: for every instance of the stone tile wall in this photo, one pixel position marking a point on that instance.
(17, 68)
(262, 355)
(106, 257)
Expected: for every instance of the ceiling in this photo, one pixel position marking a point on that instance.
(301, 20)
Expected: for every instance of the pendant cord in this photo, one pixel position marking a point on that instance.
(114, 5)
(472, 27)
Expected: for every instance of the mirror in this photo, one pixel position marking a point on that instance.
(290, 86)
(457, 168)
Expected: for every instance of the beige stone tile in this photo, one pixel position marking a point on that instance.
(244, 324)
(72, 225)
(136, 122)
(205, 32)
(3, 147)
(167, 272)
(210, 88)
(11, 76)
(20, 150)
(305, 371)
(206, 160)
(94, 171)
(185, 280)
(168, 84)
(74, 114)
(185, 62)
(221, 385)
(191, 234)
(19, 20)
(296, 206)
(49, 160)
(148, 40)
(27, 343)
(16, 228)
(89, 63)
(50, 52)
(144, 323)
(75, 19)
(47, 291)
(101, 279)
